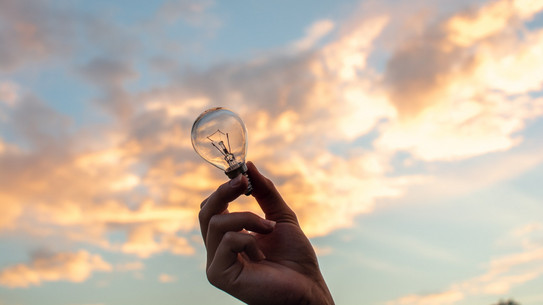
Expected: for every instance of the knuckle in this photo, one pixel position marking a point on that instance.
(229, 237)
(201, 216)
(221, 190)
(203, 203)
(214, 223)
(247, 215)
(269, 182)
(213, 277)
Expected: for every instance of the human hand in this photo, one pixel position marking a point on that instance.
(274, 263)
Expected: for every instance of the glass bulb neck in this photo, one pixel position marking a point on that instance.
(236, 169)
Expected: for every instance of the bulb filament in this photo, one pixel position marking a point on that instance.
(217, 140)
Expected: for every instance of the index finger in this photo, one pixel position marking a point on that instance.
(268, 197)
(218, 201)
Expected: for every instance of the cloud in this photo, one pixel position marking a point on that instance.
(502, 274)
(314, 34)
(166, 278)
(489, 20)
(147, 183)
(106, 71)
(73, 267)
(11, 210)
(461, 97)
(324, 123)
(9, 93)
(356, 183)
(142, 242)
(461, 129)
(33, 30)
(448, 297)
(51, 183)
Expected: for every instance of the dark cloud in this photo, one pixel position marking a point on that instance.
(420, 69)
(110, 76)
(276, 84)
(31, 30)
(38, 125)
(108, 71)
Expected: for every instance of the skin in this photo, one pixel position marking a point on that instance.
(260, 261)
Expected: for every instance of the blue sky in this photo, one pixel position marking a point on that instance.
(405, 134)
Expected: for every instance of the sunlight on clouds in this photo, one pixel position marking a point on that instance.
(73, 267)
(467, 103)
(348, 55)
(355, 183)
(449, 297)
(325, 123)
(125, 183)
(512, 73)
(11, 210)
(142, 241)
(461, 129)
(187, 108)
(314, 34)
(59, 196)
(491, 19)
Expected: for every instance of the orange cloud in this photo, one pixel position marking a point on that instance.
(460, 93)
(309, 184)
(166, 278)
(444, 298)
(73, 267)
(489, 20)
(142, 241)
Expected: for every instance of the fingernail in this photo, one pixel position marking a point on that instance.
(236, 181)
(270, 224)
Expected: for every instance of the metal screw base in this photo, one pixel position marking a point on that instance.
(240, 168)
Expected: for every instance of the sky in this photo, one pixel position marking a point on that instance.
(406, 135)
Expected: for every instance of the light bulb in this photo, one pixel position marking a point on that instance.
(219, 136)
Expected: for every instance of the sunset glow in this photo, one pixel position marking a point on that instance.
(406, 135)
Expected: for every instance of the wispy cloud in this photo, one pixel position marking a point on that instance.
(166, 278)
(314, 34)
(502, 274)
(74, 267)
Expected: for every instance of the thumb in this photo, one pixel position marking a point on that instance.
(269, 199)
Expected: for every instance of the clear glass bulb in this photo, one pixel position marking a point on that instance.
(219, 136)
